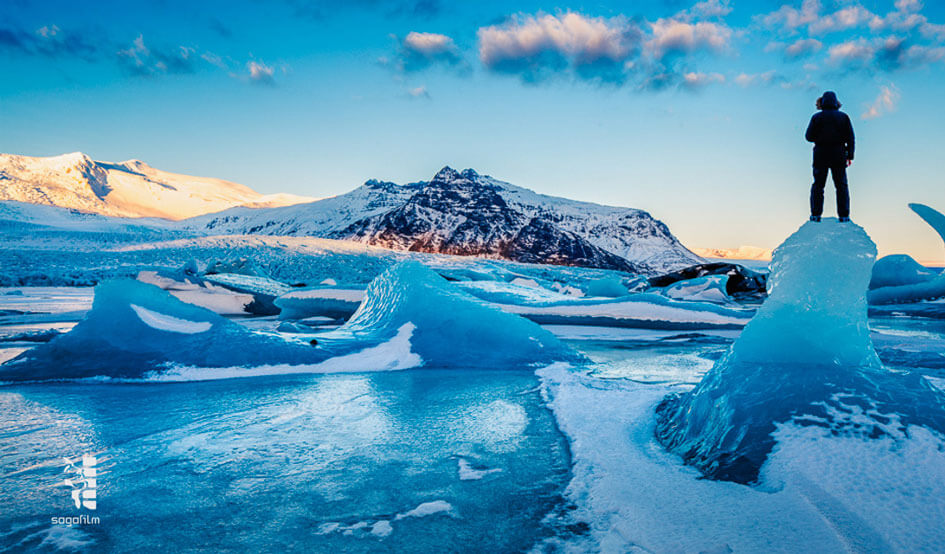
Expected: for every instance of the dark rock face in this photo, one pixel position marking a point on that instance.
(741, 280)
(450, 215)
(455, 213)
(465, 213)
(541, 242)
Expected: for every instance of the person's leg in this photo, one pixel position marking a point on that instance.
(817, 191)
(839, 174)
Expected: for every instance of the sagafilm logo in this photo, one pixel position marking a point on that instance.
(83, 481)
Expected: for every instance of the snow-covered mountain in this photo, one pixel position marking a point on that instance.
(126, 189)
(471, 214)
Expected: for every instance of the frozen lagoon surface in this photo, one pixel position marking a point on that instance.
(500, 457)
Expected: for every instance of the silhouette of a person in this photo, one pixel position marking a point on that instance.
(832, 134)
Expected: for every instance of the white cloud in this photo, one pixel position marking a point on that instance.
(841, 20)
(707, 9)
(888, 53)
(419, 92)
(260, 73)
(674, 35)
(421, 50)
(803, 47)
(580, 39)
(696, 80)
(791, 18)
(853, 50)
(48, 31)
(885, 103)
(766, 78)
(429, 43)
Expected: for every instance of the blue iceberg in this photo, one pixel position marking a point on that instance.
(708, 288)
(453, 328)
(897, 270)
(334, 301)
(900, 279)
(410, 317)
(805, 356)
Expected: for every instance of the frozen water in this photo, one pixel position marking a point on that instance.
(206, 295)
(899, 269)
(334, 301)
(710, 288)
(809, 347)
(135, 327)
(410, 317)
(645, 310)
(899, 279)
(283, 463)
(453, 329)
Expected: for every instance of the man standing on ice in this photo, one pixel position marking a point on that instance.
(832, 134)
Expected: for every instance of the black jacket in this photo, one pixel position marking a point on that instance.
(832, 134)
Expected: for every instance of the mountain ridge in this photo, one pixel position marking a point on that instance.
(463, 212)
(455, 212)
(123, 189)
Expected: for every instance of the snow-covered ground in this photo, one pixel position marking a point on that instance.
(126, 189)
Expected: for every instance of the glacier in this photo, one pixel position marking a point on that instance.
(805, 356)
(138, 330)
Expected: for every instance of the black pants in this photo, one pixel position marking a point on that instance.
(839, 173)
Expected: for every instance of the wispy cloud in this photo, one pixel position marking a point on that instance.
(803, 47)
(261, 73)
(50, 41)
(888, 54)
(419, 92)
(886, 102)
(139, 59)
(696, 80)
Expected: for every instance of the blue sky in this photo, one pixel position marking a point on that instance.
(693, 111)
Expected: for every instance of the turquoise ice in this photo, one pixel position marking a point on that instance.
(410, 317)
(805, 355)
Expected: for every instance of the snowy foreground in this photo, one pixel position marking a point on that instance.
(455, 404)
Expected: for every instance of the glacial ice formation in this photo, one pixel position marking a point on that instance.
(901, 280)
(334, 301)
(899, 269)
(638, 310)
(135, 327)
(453, 329)
(206, 295)
(410, 317)
(807, 354)
(709, 288)
(610, 287)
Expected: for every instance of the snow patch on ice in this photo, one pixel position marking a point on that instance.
(428, 509)
(467, 472)
(392, 355)
(163, 322)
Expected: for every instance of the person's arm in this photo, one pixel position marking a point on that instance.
(851, 140)
(811, 134)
